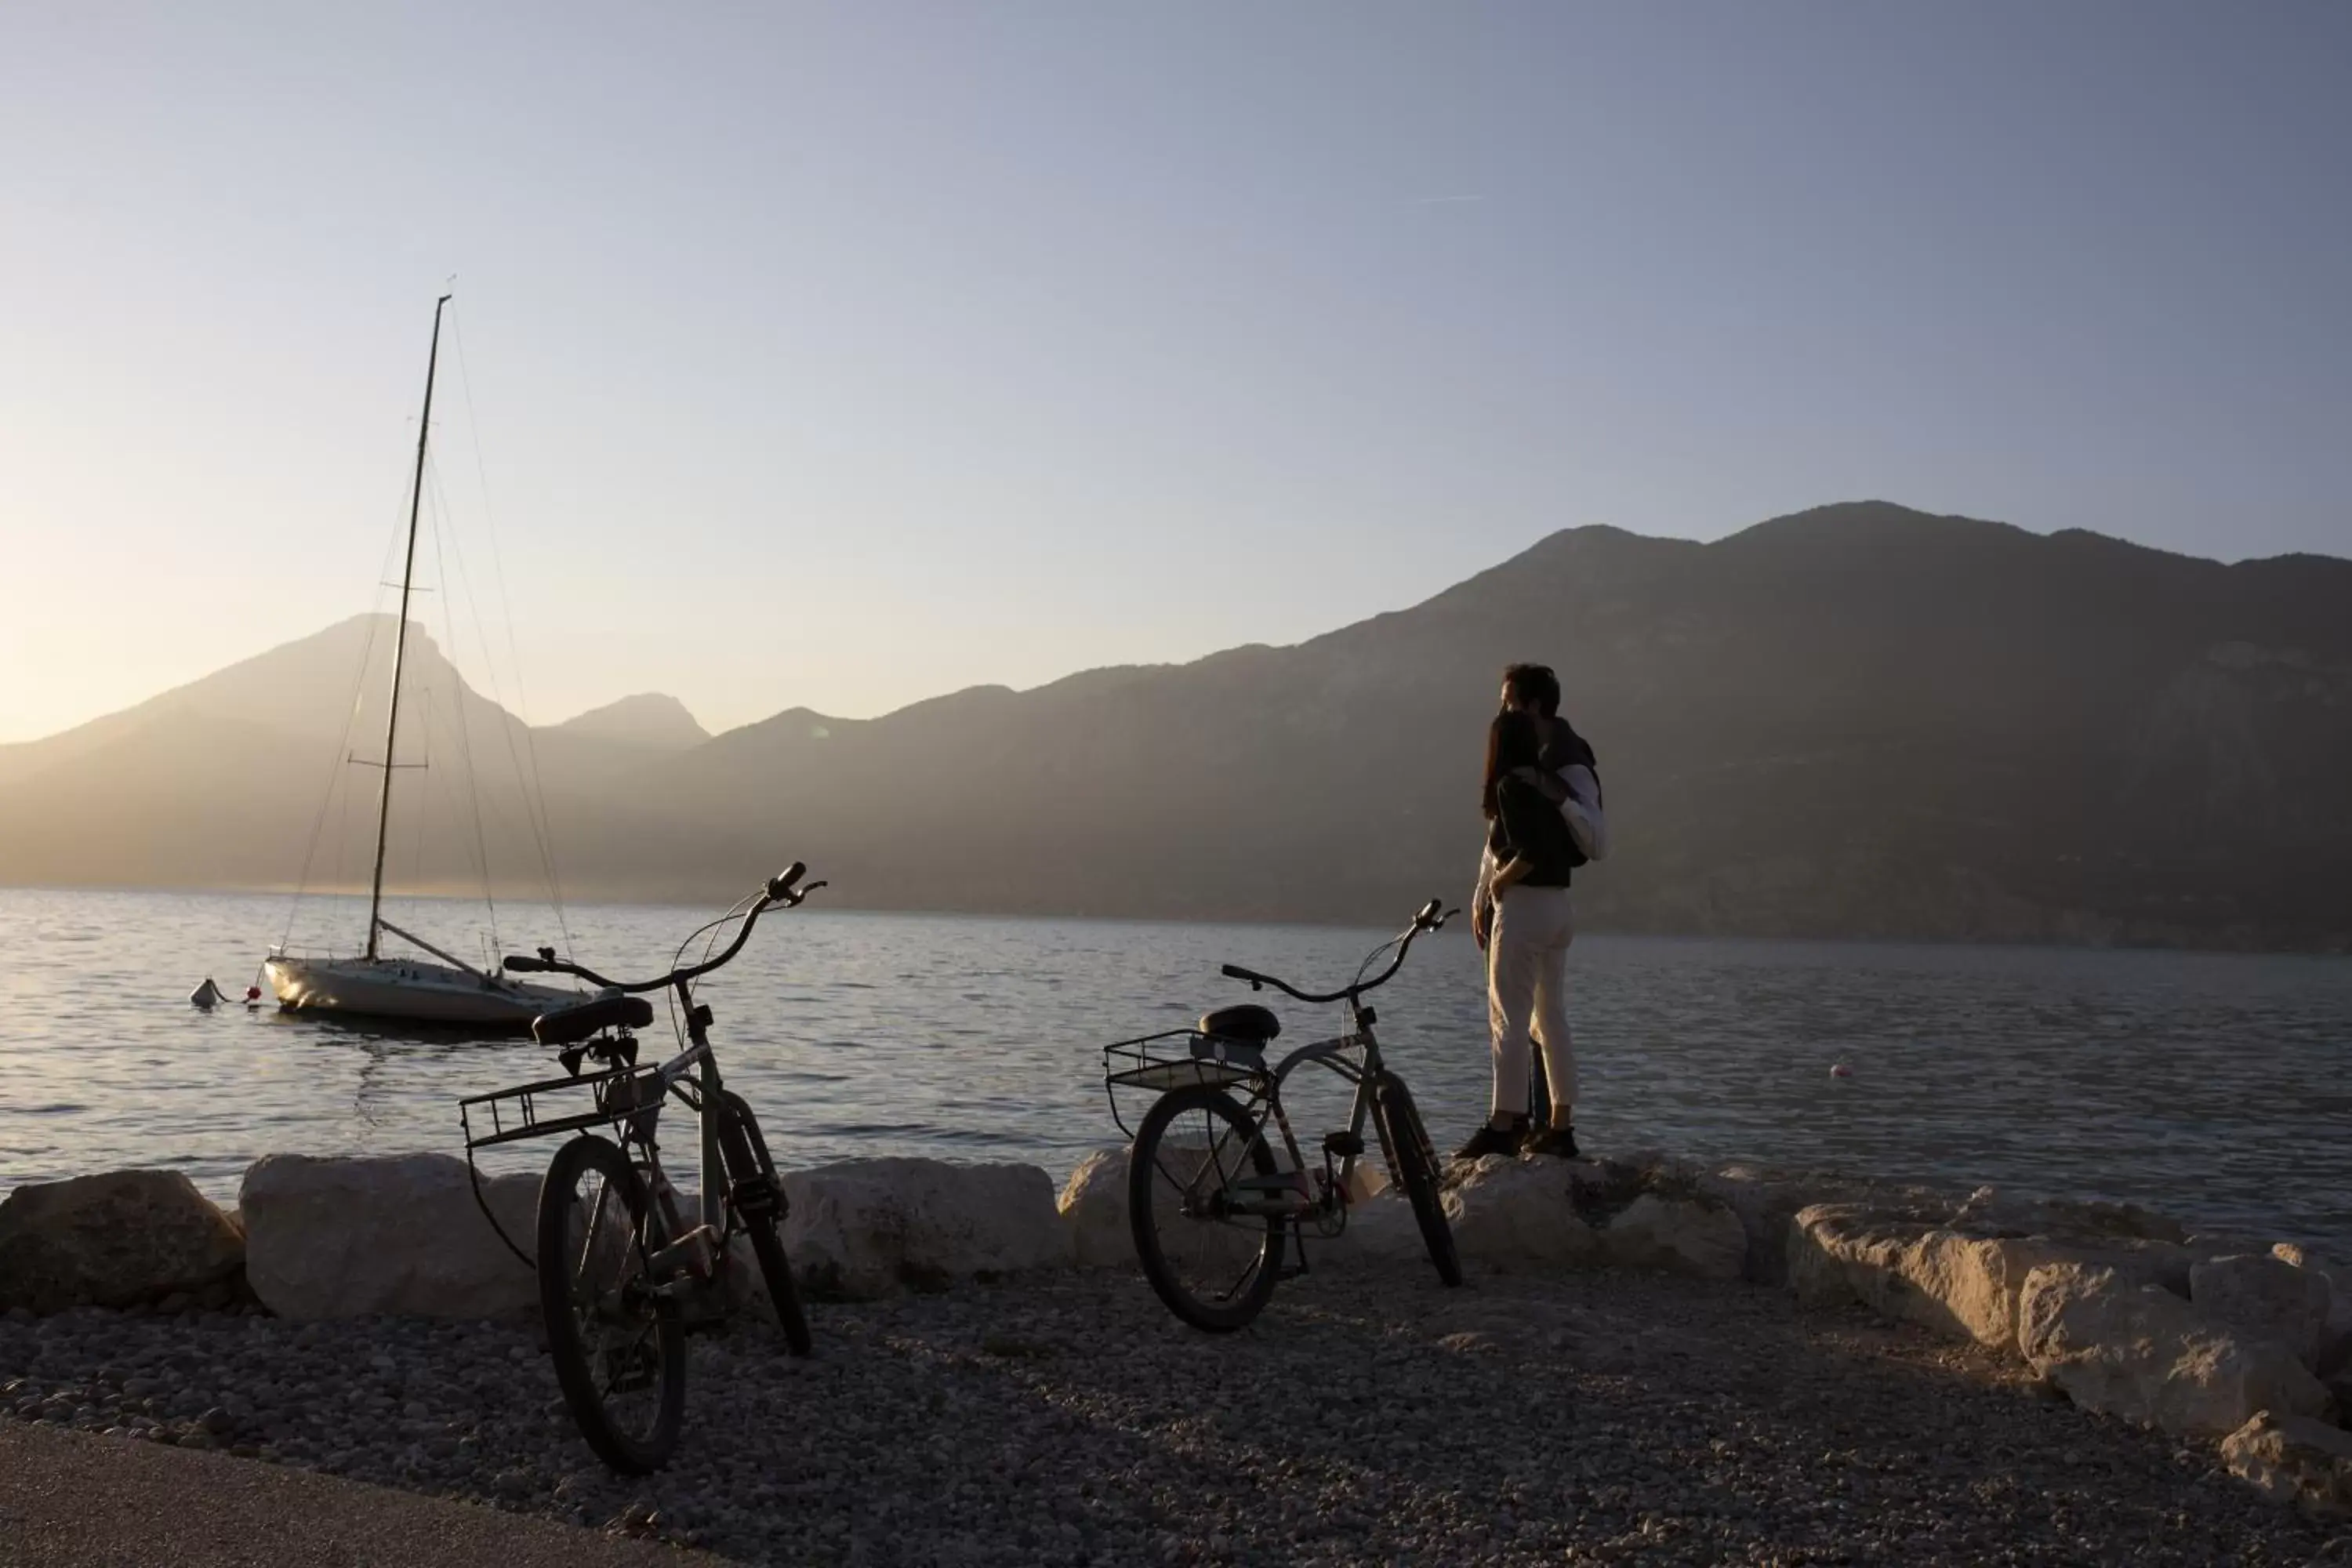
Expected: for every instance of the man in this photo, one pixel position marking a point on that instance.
(1526, 971)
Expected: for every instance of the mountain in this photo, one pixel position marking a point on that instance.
(262, 774)
(306, 687)
(649, 719)
(1859, 721)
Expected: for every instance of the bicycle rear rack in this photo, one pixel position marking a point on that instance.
(556, 1105)
(1154, 1064)
(624, 1100)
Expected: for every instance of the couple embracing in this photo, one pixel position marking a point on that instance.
(1543, 805)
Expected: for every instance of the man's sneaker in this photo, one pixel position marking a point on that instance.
(1493, 1140)
(1558, 1142)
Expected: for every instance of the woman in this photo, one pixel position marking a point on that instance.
(1524, 881)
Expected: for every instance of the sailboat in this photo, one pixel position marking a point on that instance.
(440, 988)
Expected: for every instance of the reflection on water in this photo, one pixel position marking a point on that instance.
(2210, 1086)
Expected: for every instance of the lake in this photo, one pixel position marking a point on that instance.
(2212, 1087)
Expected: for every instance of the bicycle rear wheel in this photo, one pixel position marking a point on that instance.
(1406, 1143)
(1213, 1267)
(758, 1196)
(619, 1349)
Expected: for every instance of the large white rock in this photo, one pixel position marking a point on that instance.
(1957, 1271)
(1094, 1210)
(1765, 1201)
(2335, 1350)
(2141, 1352)
(1677, 1235)
(1505, 1216)
(1512, 1215)
(1382, 1233)
(1908, 1266)
(350, 1237)
(2266, 1297)
(862, 1228)
(2293, 1459)
(112, 1240)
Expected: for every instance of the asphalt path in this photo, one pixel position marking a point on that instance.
(88, 1502)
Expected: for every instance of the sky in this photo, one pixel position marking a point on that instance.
(840, 356)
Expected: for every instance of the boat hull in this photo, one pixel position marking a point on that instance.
(404, 989)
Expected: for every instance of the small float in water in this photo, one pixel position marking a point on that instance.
(209, 995)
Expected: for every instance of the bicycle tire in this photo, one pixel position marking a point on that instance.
(746, 1154)
(588, 1374)
(1156, 1170)
(1415, 1164)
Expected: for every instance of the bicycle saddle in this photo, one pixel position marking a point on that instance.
(562, 1025)
(1245, 1021)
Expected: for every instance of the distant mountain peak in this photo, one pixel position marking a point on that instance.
(654, 719)
(1868, 523)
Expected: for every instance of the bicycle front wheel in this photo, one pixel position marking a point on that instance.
(757, 1194)
(619, 1349)
(1406, 1142)
(1207, 1240)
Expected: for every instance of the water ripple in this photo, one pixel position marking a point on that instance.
(2209, 1085)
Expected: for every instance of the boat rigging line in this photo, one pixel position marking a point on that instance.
(543, 829)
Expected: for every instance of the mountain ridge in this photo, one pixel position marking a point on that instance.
(651, 719)
(1856, 720)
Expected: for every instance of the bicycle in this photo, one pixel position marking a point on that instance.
(622, 1276)
(1208, 1199)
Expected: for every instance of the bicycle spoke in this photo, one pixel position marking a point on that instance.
(588, 1237)
(1204, 1241)
(1248, 1270)
(615, 1321)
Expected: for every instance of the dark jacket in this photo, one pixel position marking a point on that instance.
(1528, 826)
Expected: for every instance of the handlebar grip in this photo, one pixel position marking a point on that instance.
(781, 888)
(520, 963)
(1236, 972)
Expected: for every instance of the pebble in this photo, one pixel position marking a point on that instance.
(1071, 1420)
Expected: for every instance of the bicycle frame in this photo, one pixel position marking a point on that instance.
(1333, 1055)
(699, 1061)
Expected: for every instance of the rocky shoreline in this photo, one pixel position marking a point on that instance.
(1654, 1362)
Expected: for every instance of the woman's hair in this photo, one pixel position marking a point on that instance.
(1536, 686)
(1510, 743)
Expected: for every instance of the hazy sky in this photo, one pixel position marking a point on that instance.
(845, 355)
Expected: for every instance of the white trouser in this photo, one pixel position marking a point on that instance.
(1527, 985)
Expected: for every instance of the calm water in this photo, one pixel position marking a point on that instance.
(2212, 1087)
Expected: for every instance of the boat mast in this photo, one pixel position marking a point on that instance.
(400, 638)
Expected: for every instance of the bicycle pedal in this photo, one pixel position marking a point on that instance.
(757, 1197)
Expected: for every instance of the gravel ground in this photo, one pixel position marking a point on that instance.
(1587, 1418)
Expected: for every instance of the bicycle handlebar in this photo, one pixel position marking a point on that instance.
(1429, 919)
(779, 894)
